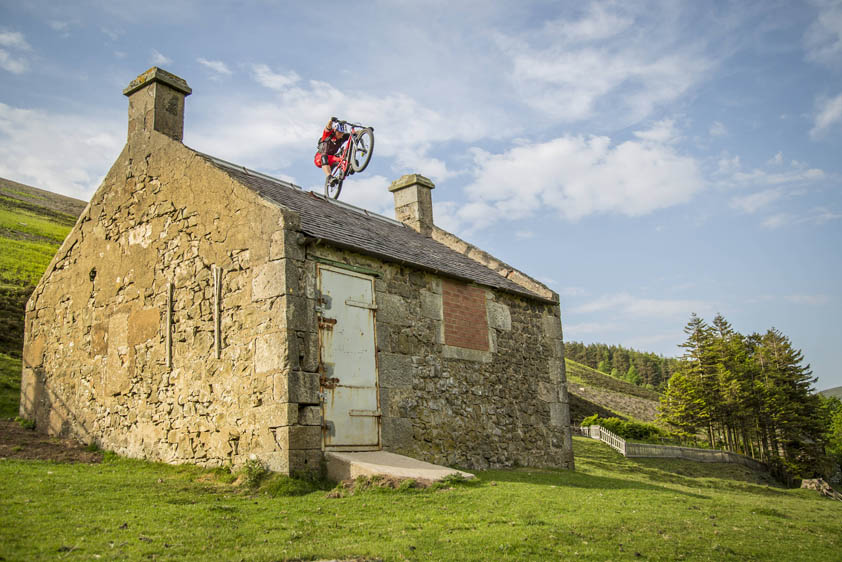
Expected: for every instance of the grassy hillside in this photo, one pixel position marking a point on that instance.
(33, 223)
(835, 391)
(610, 508)
(592, 392)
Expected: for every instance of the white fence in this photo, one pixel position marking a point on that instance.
(631, 450)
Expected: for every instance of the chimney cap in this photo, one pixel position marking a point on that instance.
(411, 179)
(156, 74)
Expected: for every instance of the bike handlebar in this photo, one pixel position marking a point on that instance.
(354, 125)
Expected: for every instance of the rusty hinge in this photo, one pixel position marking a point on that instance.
(328, 383)
(327, 323)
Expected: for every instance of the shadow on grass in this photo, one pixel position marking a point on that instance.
(566, 478)
(594, 455)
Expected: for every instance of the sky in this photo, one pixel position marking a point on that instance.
(645, 160)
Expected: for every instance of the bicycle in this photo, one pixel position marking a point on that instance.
(353, 157)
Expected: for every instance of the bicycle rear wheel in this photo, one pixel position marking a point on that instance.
(333, 183)
(362, 147)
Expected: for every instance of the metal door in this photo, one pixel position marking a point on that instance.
(347, 361)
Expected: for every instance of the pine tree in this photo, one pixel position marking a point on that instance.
(632, 376)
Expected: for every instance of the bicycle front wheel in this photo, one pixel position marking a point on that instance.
(362, 147)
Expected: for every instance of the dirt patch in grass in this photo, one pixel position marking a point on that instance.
(19, 443)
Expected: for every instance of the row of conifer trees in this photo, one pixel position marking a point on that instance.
(749, 394)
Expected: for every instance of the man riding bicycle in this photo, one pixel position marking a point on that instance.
(330, 144)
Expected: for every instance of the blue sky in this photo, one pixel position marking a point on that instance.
(644, 161)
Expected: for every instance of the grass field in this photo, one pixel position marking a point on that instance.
(33, 223)
(610, 508)
(10, 368)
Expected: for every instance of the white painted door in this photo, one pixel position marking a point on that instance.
(348, 367)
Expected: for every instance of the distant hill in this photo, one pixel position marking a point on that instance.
(835, 391)
(592, 392)
(33, 224)
(42, 199)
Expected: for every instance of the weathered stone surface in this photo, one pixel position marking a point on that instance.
(302, 461)
(273, 415)
(270, 352)
(397, 433)
(33, 352)
(466, 354)
(499, 317)
(299, 437)
(303, 387)
(269, 280)
(393, 309)
(309, 415)
(430, 305)
(395, 370)
(143, 325)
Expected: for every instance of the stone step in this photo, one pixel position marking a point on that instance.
(344, 466)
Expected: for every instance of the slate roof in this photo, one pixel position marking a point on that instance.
(356, 229)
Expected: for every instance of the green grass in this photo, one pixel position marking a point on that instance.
(33, 225)
(23, 262)
(576, 372)
(609, 508)
(10, 368)
(26, 194)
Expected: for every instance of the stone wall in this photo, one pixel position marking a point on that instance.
(458, 406)
(98, 362)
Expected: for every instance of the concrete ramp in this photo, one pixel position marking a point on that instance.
(344, 466)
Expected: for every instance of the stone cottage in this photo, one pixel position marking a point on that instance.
(206, 313)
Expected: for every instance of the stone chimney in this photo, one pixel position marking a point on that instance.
(156, 102)
(414, 202)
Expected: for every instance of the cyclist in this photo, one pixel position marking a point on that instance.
(330, 143)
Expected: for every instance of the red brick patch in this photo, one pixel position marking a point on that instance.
(465, 323)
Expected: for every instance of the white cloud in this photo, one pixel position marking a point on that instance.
(64, 153)
(578, 176)
(524, 234)
(755, 201)
(823, 39)
(626, 304)
(274, 80)
(598, 23)
(829, 113)
(662, 132)
(816, 216)
(219, 68)
(565, 74)
(717, 129)
(732, 176)
(810, 300)
(159, 59)
(646, 342)
(572, 291)
(12, 45)
(368, 192)
(62, 26)
(728, 165)
(777, 220)
(285, 129)
(111, 33)
(13, 40)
